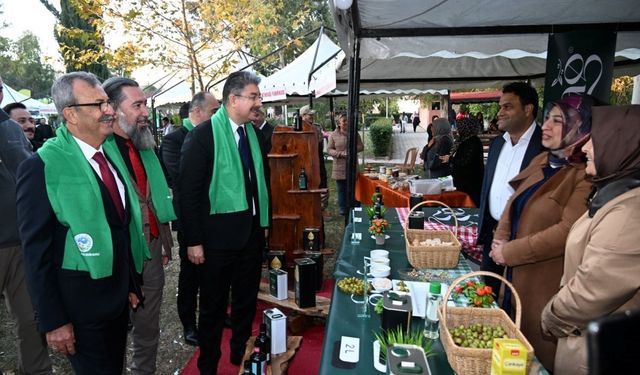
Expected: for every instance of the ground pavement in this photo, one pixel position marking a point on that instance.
(401, 143)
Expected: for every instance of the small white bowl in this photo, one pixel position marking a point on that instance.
(381, 284)
(380, 260)
(379, 270)
(379, 253)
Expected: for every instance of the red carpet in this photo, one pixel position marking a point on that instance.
(306, 360)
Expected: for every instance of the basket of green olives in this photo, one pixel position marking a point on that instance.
(352, 285)
(467, 333)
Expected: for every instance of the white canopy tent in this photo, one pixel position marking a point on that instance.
(467, 44)
(34, 106)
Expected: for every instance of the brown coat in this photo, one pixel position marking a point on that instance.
(337, 148)
(537, 253)
(601, 277)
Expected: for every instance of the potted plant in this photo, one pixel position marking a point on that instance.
(377, 228)
(478, 293)
(399, 336)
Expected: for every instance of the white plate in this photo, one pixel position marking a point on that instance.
(379, 289)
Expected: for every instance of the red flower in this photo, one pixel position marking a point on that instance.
(488, 290)
(470, 284)
(458, 289)
(480, 291)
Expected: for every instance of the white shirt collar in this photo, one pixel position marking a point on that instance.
(526, 137)
(87, 150)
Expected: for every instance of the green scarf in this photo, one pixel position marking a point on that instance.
(76, 200)
(227, 190)
(186, 123)
(160, 197)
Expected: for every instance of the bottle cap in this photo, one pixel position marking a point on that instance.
(434, 287)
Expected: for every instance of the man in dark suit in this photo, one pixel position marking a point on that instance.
(135, 141)
(81, 232)
(224, 212)
(202, 107)
(260, 123)
(508, 155)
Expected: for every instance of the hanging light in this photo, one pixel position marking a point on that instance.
(343, 4)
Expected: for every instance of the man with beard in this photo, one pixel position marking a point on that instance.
(134, 140)
(81, 231)
(262, 125)
(224, 208)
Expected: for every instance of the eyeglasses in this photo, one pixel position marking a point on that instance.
(102, 105)
(253, 98)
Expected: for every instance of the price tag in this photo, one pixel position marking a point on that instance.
(357, 209)
(357, 220)
(350, 349)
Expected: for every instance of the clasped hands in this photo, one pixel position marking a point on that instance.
(496, 253)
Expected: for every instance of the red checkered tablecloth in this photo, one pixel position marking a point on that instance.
(467, 235)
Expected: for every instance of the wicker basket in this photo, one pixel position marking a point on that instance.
(477, 361)
(432, 256)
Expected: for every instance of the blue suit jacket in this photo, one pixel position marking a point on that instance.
(533, 149)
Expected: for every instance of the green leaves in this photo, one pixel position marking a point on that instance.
(387, 338)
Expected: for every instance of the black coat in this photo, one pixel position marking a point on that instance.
(61, 296)
(220, 231)
(170, 153)
(468, 167)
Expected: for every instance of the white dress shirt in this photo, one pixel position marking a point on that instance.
(507, 167)
(88, 151)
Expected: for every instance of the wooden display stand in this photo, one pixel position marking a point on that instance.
(294, 209)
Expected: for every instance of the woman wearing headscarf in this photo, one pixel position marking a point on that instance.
(437, 161)
(468, 159)
(602, 256)
(550, 195)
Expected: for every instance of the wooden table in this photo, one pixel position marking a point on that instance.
(365, 187)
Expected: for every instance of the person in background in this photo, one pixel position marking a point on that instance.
(134, 139)
(203, 105)
(437, 161)
(18, 113)
(480, 118)
(307, 115)
(404, 122)
(225, 213)
(261, 124)
(81, 231)
(508, 155)
(416, 121)
(550, 195)
(43, 132)
(430, 139)
(167, 128)
(602, 253)
(468, 160)
(33, 357)
(338, 146)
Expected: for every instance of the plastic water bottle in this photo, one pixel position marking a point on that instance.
(431, 320)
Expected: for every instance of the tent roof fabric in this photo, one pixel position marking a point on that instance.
(475, 96)
(465, 44)
(12, 96)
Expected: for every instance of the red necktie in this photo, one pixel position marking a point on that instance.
(110, 182)
(141, 181)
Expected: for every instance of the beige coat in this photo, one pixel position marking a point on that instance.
(337, 148)
(601, 277)
(537, 253)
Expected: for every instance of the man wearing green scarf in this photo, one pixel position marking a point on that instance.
(133, 138)
(81, 231)
(203, 105)
(224, 210)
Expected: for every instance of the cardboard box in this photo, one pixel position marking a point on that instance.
(276, 323)
(278, 284)
(509, 357)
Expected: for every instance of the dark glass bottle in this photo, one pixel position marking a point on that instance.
(297, 121)
(258, 362)
(377, 205)
(262, 341)
(302, 180)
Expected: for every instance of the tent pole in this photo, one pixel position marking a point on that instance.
(333, 115)
(354, 100)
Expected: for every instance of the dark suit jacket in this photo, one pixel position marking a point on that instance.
(485, 226)
(170, 153)
(62, 296)
(267, 132)
(221, 231)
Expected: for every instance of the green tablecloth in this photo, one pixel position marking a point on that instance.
(343, 320)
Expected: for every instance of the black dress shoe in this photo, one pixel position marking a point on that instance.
(191, 336)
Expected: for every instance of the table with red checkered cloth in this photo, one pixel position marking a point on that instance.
(467, 229)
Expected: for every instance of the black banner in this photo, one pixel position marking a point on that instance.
(580, 62)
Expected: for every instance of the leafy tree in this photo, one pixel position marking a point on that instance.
(22, 65)
(621, 90)
(79, 34)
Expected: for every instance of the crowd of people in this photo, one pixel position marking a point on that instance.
(86, 230)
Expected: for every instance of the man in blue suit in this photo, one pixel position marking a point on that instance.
(508, 155)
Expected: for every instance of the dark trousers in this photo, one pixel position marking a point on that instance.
(487, 263)
(224, 270)
(341, 186)
(188, 286)
(100, 346)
